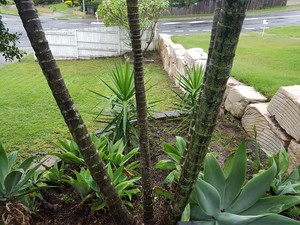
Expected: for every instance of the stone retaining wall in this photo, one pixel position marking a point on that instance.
(276, 123)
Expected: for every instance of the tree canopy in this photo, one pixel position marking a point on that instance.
(8, 41)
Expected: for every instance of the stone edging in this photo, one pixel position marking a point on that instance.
(277, 123)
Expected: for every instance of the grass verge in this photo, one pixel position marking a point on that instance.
(266, 63)
(31, 121)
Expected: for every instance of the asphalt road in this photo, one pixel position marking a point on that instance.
(182, 26)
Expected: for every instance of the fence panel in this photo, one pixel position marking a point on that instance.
(92, 42)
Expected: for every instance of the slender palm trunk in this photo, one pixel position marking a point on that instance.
(211, 95)
(217, 12)
(72, 117)
(140, 94)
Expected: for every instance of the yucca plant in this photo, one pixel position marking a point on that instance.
(221, 197)
(122, 111)
(190, 83)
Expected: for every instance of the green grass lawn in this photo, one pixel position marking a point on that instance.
(266, 63)
(31, 121)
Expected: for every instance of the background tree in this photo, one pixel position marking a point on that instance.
(114, 13)
(72, 117)
(141, 103)
(8, 42)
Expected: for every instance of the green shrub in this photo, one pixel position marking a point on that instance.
(69, 3)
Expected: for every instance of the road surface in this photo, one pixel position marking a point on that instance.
(182, 26)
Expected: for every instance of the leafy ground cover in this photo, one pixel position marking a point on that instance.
(265, 62)
(30, 120)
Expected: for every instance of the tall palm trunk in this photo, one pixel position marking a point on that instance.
(211, 95)
(140, 95)
(217, 12)
(71, 116)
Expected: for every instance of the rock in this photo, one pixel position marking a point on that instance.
(270, 136)
(241, 96)
(173, 113)
(194, 54)
(165, 58)
(285, 106)
(294, 155)
(164, 51)
(181, 65)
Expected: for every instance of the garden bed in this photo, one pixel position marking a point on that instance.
(61, 205)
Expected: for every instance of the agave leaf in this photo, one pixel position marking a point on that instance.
(165, 164)
(254, 190)
(225, 218)
(99, 205)
(11, 159)
(197, 213)
(160, 191)
(3, 164)
(28, 173)
(186, 213)
(273, 204)
(27, 163)
(181, 144)
(129, 155)
(274, 219)
(283, 161)
(69, 157)
(236, 176)
(214, 175)
(117, 174)
(174, 175)
(172, 152)
(11, 181)
(207, 197)
(228, 165)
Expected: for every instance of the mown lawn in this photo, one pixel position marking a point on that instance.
(266, 63)
(30, 120)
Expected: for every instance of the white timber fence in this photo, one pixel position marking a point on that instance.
(91, 43)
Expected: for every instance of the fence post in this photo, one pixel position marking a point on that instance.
(120, 40)
(76, 44)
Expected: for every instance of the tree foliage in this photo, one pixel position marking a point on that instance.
(114, 13)
(8, 42)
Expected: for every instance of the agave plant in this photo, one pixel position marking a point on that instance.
(126, 185)
(221, 197)
(15, 182)
(285, 183)
(175, 154)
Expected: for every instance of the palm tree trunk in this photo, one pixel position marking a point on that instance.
(211, 95)
(217, 12)
(71, 116)
(140, 95)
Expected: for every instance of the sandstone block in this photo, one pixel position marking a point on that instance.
(294, 155)
(270, 136)
(241, 96)
(285, 106)
(193, 54)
